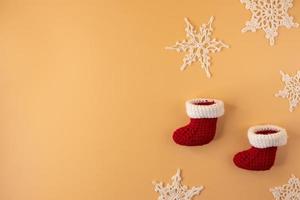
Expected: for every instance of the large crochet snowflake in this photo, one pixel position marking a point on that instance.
(290, 191)
(269, 15)
(176, 191)
(291, 91)
(198, 45)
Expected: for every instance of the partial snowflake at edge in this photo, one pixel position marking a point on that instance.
(291, 90)
(289, 191)
(175, 190)
(269, 15)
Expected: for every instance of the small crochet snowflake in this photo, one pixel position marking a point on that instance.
(291, 91)
(176, 191)
(198, 45)
(269, 15)
(290, 191)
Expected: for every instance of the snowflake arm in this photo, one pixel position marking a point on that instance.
(291, 90)
(188, 59)
(269, 15)
(205, 63)
(198, 45)
(216, 45)
(289, 191)
(175, 190)
(190, 30)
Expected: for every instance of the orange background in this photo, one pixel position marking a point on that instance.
(89, 99)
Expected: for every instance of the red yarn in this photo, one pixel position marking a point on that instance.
(257, 158)
(266, 132)
(197, 132)
(204, 103)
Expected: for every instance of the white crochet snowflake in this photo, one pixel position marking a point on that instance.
(290, 191)
(291, 90)
(176, 191)
(269, 15)
(198, 45)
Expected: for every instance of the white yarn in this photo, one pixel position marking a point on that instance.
(269, 16)
(175, 190)
(198, 45)
(288, 191)
(267, 140)
(204, 111)
(291, 90)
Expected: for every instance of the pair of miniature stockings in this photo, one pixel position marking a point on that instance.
(204, 114)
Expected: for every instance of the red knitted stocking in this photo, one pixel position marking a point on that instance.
(264, 141)
(197, 132)
(203, 121)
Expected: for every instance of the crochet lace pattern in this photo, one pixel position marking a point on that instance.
(289, 191)
(269, 15)
(291, 90)
(175, 190)
(198, 45)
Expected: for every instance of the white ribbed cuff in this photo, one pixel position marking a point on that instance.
(267, 140)
(214, 110)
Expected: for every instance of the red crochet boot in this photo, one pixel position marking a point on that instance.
(203, 115)
(264, 140)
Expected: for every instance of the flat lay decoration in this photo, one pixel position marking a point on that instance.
(175, 190)
(198, 45)
(264, 140)
(289, 191)
(98, 98)
(269, 15)
(291, 90)
(203, 114)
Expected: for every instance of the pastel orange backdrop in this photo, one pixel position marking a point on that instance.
(89, 99)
